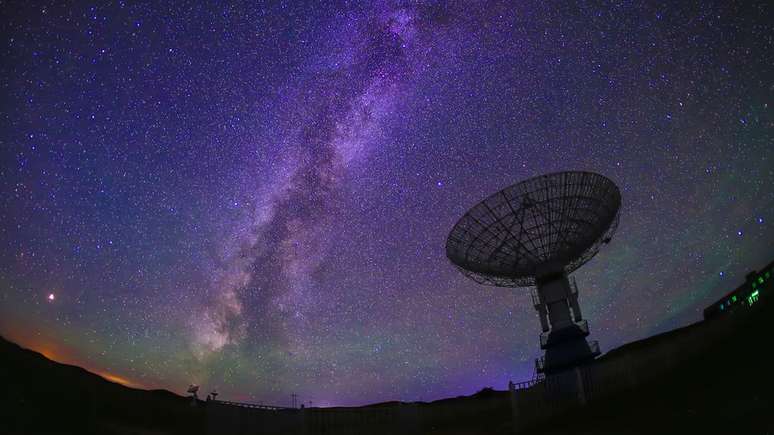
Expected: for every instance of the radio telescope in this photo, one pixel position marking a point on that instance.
(534, 234)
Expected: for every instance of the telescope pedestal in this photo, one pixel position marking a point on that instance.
(564, 330)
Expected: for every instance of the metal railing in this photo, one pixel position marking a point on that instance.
(573, 286)
(594, 346)
(583, 325)
(526, 384)
(251, 405)
(540, 363)
(535, 297)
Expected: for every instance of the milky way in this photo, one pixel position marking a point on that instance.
(273, 254)
(255, 198)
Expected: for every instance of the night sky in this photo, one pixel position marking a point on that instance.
(256, 197)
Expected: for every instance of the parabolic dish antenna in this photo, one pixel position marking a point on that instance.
(535, 233)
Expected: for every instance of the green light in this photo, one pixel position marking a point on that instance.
(753, 298)
(768, 275)
(733, 298)
(760, 280)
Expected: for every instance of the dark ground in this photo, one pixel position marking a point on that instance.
(729, 389)
(40, 396)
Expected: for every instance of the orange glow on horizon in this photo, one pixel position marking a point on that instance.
(46, 348)
(118, 379)
(48, 353)
(62, 355)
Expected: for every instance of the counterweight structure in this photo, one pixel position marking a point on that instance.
(534, 234)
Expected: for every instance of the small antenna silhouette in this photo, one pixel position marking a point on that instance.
(193, 390)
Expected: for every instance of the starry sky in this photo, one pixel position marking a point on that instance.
(255, 196)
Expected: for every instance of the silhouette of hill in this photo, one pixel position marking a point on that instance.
(41, 396)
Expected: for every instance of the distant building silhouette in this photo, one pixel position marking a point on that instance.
(756, 284)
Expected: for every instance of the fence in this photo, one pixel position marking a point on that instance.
(251, 405)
